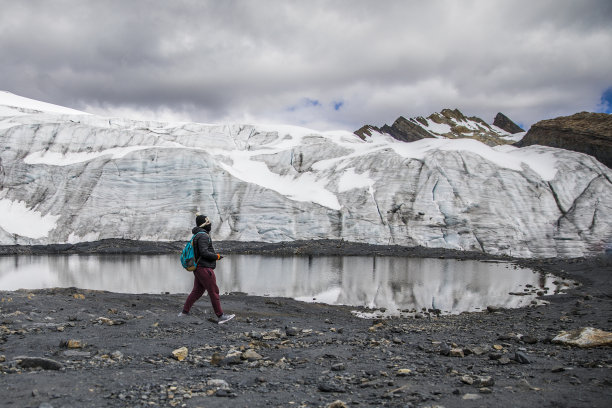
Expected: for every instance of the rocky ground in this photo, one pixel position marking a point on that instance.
(70, 347)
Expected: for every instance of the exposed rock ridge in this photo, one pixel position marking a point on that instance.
(584, 132)
(504, 123)
(448, 123)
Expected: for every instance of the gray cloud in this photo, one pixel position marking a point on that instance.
(259, 60)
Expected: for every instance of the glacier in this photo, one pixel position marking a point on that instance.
(67, 176)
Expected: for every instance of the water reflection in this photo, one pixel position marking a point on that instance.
(378, 282)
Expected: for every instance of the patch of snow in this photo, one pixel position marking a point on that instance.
(350, 180)
(517, 137)
(17, 218)
(306, 187)
(543, 163)
(500, 131)
(10, 100)
(439, 128)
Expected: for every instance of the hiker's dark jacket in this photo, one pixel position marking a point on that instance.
(203, 247)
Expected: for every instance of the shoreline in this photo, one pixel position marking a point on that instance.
(282, 352)
(320, 247)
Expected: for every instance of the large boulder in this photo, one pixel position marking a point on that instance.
(585, 132)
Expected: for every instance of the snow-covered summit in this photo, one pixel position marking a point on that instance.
(81, 178)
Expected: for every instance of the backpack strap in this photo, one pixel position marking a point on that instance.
(194, 244)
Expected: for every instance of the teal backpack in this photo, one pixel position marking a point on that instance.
(188, 259)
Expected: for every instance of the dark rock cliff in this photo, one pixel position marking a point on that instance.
(504, 123)
(585, 132)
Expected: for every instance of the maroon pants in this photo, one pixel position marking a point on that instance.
(205, 280)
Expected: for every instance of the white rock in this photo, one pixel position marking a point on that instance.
(585, 337)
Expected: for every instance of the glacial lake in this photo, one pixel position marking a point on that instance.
(394, 284)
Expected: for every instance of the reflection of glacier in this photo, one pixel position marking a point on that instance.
(116, 273)
(389, 282)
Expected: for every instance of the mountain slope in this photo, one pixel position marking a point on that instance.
(585, 132)
(450, 124)
(71, 178)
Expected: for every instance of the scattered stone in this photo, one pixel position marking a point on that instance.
(44, 363)
(504, 361)
(498, 347)
(331, 386)
(509, 337)
(338, 367)
(485, 390)
(456, 352)
(233, 357)
(180, 354)
(470, 396)
(216, 359)
(218, 383)
(376, 326)
(557, 369)
(251, 355)
(486, 381)
(584, 337)
(445, 349)
(477, 351)
(493, 309)
(466, 379)
(292, 331)
(2, 358)
(529, 339)
(337, 404)
(403, 372)
(521, 357)
(272, 335)
(117, 355)
(495, 356)
(224, 393)
(72, 344)
(523, 384)
(109, 322)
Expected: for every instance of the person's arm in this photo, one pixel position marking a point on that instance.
(204, 243)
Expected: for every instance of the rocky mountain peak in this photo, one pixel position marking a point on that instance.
(448, 123)
(504, 123)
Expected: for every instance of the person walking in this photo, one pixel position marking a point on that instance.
(204, 274)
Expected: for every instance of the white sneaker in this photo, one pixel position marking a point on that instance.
(182, 314)
(225, 318)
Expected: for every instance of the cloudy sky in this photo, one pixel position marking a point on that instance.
(320, 64)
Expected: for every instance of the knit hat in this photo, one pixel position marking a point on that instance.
(202, 220)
